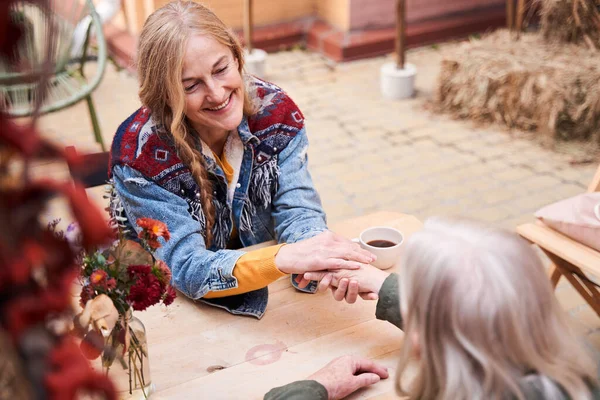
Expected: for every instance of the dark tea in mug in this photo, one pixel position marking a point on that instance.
(381, 243)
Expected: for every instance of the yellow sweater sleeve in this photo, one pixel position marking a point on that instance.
(254, 270)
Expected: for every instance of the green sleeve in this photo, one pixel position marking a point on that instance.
(532, 387)
(388, 305)
(299, 390)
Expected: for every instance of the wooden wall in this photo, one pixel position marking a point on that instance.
(345, 15)
(381, 13)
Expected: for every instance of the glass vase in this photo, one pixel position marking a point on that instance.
(125, 359)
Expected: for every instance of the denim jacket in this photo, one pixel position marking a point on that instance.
(272, 196)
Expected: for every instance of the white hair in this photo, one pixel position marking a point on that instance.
(485, 319)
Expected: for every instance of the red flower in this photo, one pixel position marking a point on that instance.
(87, 293)
(111, 284)
(152, 230)
(169, 296)
(147, 289)
(138, 270)
(98, 279)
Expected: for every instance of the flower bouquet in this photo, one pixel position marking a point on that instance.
(114, 281)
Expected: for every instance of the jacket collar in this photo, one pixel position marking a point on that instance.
(245, 134)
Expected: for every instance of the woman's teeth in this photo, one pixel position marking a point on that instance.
(221, 106)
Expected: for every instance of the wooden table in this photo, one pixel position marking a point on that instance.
(201, 352)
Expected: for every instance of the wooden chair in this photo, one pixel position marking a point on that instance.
(93, 170)
(569, 258)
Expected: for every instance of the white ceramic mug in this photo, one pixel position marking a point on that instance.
(387, 257)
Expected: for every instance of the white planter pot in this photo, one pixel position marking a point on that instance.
(256, 62)
(398, 83)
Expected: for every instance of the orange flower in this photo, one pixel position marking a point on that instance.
(152, 230)
(152, 242)
(154, 227)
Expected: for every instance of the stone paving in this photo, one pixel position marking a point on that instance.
(370, 154)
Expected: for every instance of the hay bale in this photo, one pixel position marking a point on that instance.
(571, 21)
(527, 84)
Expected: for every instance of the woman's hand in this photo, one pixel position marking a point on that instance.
(349, 284)
(326, 251)
(347, 374)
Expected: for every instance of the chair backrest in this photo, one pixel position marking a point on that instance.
(92, 170)
(71, 22)
(37, 22)
(595, 184)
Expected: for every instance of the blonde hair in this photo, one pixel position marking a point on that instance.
(482, 310)
(161, 51)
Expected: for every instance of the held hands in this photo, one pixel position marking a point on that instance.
(326, 251)
(349, 284)
(335, 262)
(347, 374)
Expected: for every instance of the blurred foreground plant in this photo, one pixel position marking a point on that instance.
(37, 268)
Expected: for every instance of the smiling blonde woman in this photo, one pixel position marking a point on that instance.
(220, 157)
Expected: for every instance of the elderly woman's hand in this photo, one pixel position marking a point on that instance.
(349, 284)
(324, 252)
(347, 374)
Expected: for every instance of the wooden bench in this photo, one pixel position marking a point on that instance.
(573, 260)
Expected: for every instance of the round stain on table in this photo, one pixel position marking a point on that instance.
(265, 354)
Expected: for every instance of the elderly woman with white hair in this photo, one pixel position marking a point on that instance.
(479, 316)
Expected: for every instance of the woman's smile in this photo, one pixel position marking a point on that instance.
(223, 107)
